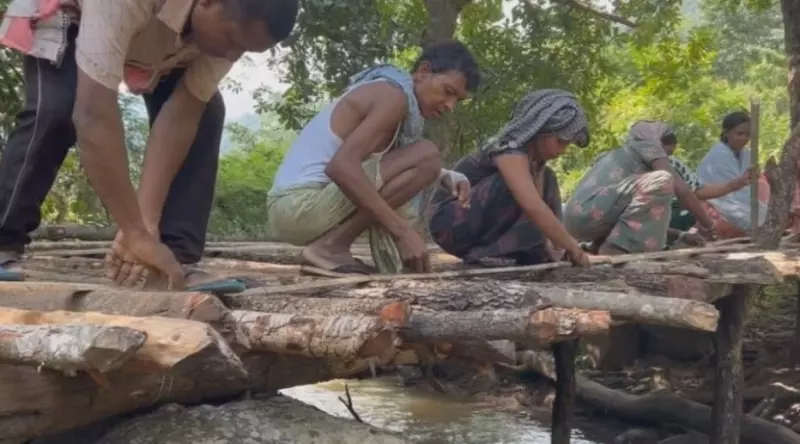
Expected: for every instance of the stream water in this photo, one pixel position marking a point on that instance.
(428, 418)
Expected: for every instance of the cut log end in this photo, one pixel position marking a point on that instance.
(560, 324)
(70, 347)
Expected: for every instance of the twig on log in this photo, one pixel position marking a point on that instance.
(349, 403)
(518, 270)
(69, 348)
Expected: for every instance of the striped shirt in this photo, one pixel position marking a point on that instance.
(150, 30)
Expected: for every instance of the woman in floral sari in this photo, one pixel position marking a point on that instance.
(623, 204)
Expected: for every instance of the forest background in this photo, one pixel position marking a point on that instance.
(686, 62)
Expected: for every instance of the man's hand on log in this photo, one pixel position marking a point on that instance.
(130, 257)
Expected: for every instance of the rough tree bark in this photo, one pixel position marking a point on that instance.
(474, 294)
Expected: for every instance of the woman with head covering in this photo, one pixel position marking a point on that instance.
(514, 209)
(729, 159)
(623, 203)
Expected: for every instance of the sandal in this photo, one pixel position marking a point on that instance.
(11, 267)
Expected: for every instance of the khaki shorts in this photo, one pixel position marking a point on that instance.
(299, 215)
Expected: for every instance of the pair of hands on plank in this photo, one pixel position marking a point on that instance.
(140, 255)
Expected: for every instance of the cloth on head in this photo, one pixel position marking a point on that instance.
(545, 111)
(648, 131)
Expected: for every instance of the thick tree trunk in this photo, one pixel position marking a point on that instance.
(172, 345)
(69, 348)
(47, 296)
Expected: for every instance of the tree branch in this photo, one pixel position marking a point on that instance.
(594, 12)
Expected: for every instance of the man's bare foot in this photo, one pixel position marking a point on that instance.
(332, 260)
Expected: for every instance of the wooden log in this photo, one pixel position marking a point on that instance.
(640, 308)
(337, 337)
(88, 233)
(564, 354)
(69, 348)
(729, 379)
(173, 345)
(304, 305)
(534, 326)
(474, 294)
(195, 306)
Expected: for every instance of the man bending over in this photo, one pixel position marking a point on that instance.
(359, 162)
(175, 52)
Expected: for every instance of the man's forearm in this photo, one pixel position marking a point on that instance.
(105, 161)
(169, 143)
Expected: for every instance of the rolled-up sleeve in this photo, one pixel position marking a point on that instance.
(105, 32)
(204, 74)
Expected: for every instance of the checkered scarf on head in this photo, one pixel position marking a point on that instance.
(545, 111)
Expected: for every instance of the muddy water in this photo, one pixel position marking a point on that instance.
(428, 418)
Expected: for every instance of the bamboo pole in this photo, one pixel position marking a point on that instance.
(755, 117)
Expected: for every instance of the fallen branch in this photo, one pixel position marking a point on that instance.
(69, 348)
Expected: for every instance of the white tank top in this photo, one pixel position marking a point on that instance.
(312, 150)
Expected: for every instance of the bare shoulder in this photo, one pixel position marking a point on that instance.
(381, 98)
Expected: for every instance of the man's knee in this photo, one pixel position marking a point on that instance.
(659, 182)
(428, 159)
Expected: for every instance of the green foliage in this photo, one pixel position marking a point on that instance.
(245, 175)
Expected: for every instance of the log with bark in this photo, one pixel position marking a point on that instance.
(487, 294)
(172, 345)
(69, 348)
(201, 307)
(539, 326)
(335, 337)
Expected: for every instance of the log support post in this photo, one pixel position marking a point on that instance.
(564, 354)
(729, 381)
